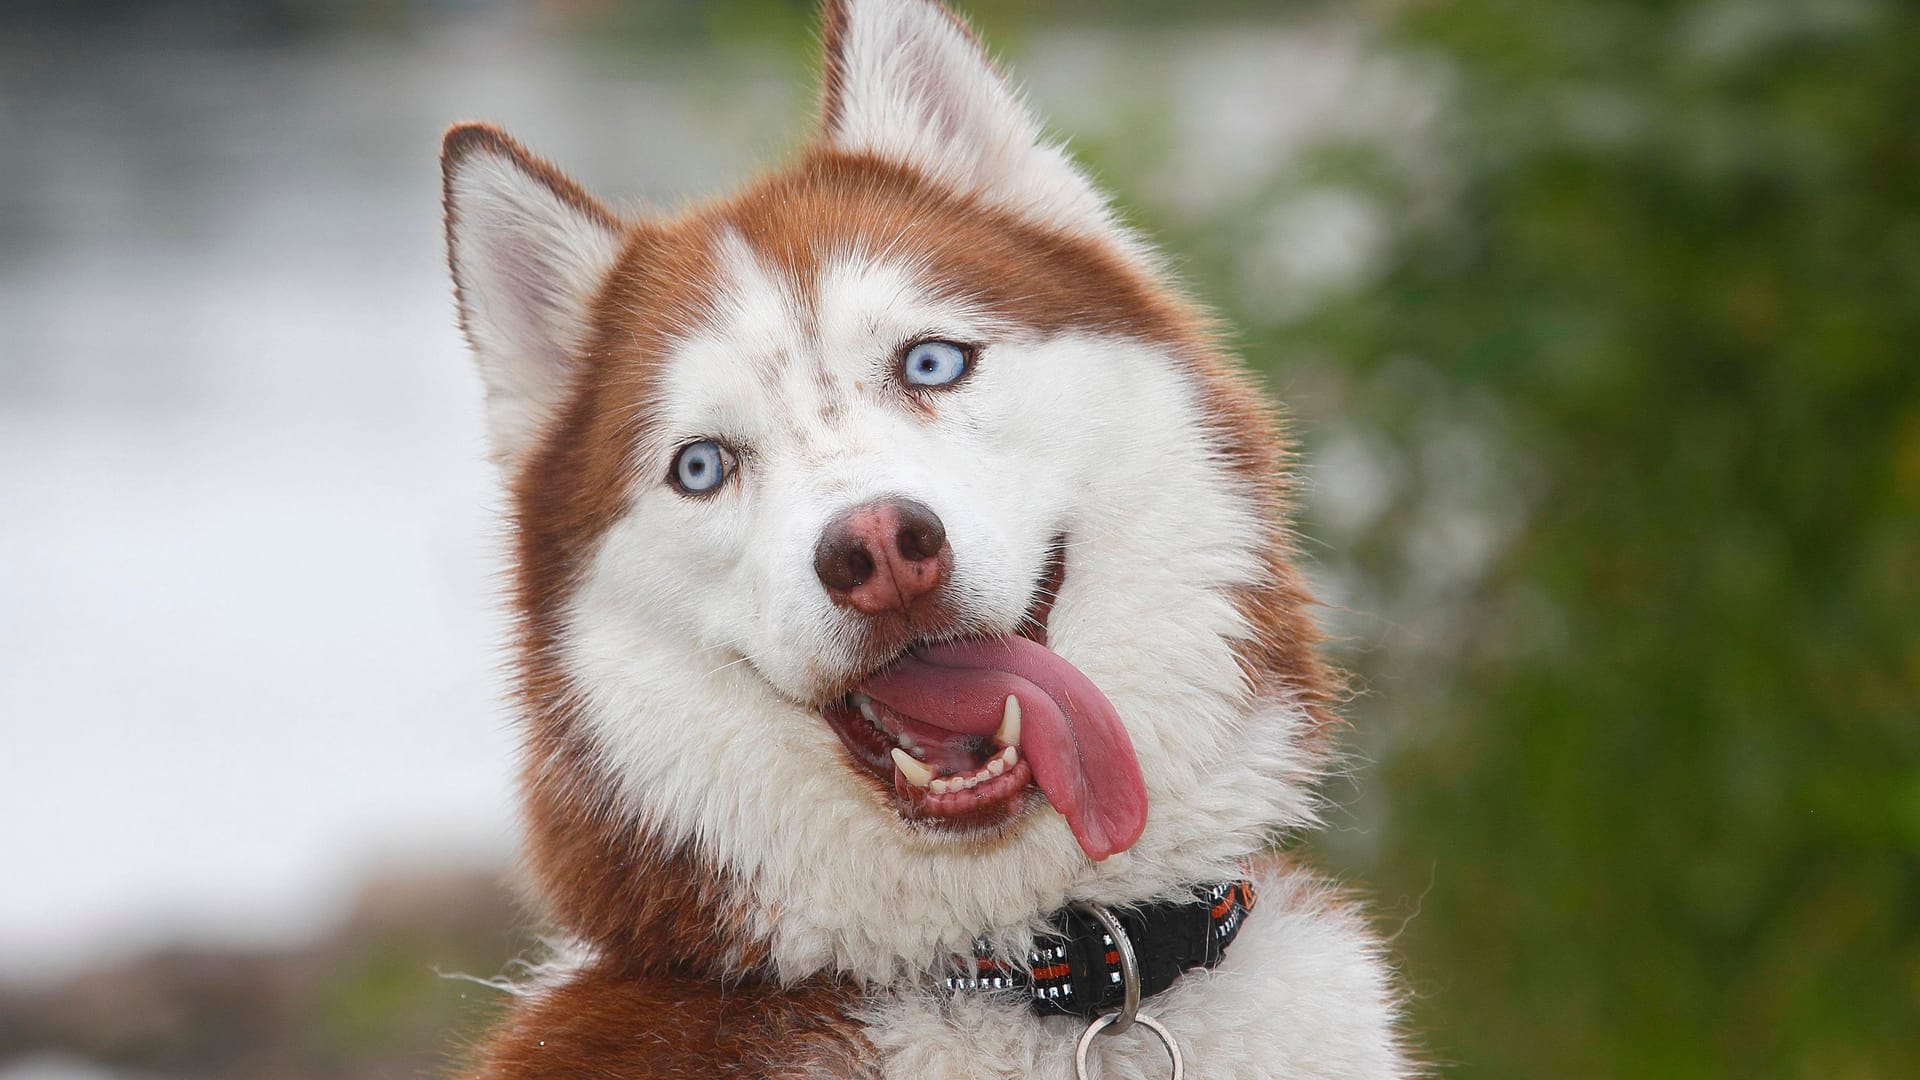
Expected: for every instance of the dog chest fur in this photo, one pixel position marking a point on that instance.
(1303, 992)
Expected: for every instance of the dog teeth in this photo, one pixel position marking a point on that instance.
(1009, 733)
(916, 773)
(908, 755)
(996, 767)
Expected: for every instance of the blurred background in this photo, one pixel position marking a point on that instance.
(1597, 321)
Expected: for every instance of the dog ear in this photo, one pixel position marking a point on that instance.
(908, 81)
(528, 249)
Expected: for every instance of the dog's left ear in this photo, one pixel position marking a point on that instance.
(907, 80)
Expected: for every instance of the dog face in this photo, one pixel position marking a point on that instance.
(897, 558)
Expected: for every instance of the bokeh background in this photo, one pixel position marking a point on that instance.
(1598, 322)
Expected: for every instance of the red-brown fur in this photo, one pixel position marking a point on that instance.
(610, 1023)
(682, 986)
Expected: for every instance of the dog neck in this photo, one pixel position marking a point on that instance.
(1082, 970)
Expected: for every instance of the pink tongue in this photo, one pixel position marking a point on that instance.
(1069, 732)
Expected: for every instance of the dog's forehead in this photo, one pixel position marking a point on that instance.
(770, 312)
(800, 344)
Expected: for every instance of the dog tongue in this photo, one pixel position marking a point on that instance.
(1069, 732)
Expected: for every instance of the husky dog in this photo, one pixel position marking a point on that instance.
(906, 610)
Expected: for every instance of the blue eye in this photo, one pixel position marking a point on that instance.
(700, 467)
(934, 363)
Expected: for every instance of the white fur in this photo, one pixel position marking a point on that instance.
(700, 638)
(918, 90)
(528, 265)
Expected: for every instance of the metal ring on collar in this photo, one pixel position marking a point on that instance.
(1101, 1024)
(1129, 972)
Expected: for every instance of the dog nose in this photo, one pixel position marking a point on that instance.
(883, 555)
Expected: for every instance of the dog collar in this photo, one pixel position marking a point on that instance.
(1077, 970)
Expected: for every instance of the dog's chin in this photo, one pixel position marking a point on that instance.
(945, 785)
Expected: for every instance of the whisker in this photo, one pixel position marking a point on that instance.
(736, 660)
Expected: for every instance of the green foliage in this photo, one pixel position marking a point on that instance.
(384, 997)
(1640, 367)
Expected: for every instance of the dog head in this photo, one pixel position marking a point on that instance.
(897, 556)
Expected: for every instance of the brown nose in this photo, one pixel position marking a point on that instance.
(883, 555)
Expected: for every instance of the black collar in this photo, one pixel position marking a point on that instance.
(1077, 973)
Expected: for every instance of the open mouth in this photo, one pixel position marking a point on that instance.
(967, 736)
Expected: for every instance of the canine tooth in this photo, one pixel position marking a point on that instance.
(939, 787)
(996, 766)
(916, 773)
(1009, 733)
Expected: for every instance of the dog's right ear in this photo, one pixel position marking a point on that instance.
(529, 250)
